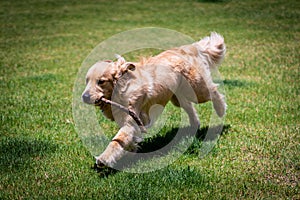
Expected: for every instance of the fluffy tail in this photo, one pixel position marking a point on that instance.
(213, 49)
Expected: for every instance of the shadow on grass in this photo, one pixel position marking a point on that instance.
(237, 83)
(19, 153)
(158, 142)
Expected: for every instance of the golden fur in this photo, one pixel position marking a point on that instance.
(181, 75)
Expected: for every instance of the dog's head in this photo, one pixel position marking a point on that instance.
(101, 79)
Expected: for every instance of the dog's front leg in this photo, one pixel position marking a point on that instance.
(125, 140)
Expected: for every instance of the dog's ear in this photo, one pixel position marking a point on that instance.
(124, 68)
(128, 66)
(123, 65)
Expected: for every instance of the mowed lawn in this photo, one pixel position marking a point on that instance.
(43, 44)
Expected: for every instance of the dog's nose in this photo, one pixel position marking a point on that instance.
(86, 97)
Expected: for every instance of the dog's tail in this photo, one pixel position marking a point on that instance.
(213, 49)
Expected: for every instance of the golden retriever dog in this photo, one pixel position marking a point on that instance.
(181, 75)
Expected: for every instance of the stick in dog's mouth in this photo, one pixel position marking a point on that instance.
(99, 102)
(124, 109)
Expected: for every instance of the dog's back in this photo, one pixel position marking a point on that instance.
(194, 62)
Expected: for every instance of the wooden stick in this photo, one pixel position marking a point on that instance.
(127, 110)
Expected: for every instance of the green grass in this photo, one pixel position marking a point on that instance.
(43, 44)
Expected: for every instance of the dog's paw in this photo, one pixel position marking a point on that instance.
(103, 170)
(219, 103)
(102, 162)
(99, 168)
(195, 123)
(220, 108)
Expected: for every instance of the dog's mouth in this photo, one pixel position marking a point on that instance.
(99, 102)
(96, 102)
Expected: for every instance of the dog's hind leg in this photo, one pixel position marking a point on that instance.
(189, 108)
(191, 111)
(218, 101)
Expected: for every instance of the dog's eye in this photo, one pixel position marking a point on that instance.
(100, 82)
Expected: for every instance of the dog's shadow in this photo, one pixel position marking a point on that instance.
(155, 143)
(160, 141)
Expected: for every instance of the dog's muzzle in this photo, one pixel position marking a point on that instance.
(86, 98)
